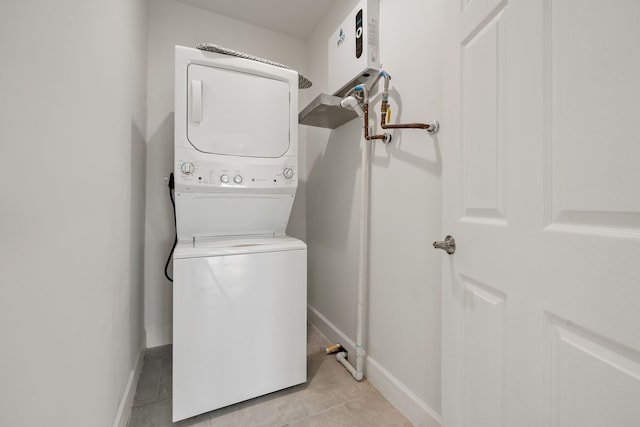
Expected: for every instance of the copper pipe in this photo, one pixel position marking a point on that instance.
(407, 126)
(384, 125)
(366, 125)
(383, 111)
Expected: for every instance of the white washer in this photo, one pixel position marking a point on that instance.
(239, 321)
(239, 290)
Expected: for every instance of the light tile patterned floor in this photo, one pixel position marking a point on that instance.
(330, 397)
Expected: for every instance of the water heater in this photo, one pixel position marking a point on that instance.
(354, 48)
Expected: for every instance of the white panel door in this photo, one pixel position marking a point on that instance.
(541, 301)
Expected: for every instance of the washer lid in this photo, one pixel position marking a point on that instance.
(237, 113)
(216, 246)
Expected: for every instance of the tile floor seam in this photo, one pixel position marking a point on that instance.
(306, 410)
(317, 414)
(157, 388)
(351, 414)
(312, 413)
(152, 402)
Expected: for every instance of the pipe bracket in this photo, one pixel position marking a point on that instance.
(434, 127)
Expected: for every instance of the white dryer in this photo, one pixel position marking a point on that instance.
(239, 290)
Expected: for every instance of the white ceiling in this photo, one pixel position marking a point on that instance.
(297, 18)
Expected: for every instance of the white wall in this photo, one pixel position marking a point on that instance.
(404, 290)
(72, 144)
(172, 23)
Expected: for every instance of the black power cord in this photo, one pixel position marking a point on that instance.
(171, 186)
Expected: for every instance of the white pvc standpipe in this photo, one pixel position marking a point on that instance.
(363, 266)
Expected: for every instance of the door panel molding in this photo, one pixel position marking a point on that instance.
(583, 180)
(587, 370)
(482, 123)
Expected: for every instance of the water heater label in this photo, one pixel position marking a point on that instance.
(359, 31)
(372, 41)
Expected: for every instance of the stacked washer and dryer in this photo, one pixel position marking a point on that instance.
(239, 290)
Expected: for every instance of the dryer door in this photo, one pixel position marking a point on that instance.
(237, 113)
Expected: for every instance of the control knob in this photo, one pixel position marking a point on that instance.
(288, 173)
(187, 168)
(224, 179)
(237, 179)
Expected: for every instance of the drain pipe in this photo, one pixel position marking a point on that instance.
(355, 96)
(363, 254)
(363, 267)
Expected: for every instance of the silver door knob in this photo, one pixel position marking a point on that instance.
(449, 245)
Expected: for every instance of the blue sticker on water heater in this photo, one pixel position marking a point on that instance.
(359, 31)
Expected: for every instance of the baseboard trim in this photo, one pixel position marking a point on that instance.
(411, 406)
(329, 330)
(126, 403)
(157, 337)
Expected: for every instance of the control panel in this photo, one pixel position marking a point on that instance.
(210, 176)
